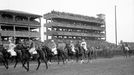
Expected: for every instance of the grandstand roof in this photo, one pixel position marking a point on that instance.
(19, 13)
(56, 14)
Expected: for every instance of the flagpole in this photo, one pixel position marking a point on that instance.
(115, 26)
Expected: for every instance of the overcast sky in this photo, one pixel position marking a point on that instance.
(125, 12)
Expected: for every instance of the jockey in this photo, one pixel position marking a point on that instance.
(72, 46)
(53, 47)
(126, 47)
(11, 47)
(84, 44)
(32, 49)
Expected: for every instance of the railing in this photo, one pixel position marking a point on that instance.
(20, 33)
(53, 32)
(5, 20)
(75, 26)
(34, 34)
(7, 33)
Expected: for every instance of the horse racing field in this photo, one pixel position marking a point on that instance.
(105, 66)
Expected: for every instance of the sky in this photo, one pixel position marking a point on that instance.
(125, 13)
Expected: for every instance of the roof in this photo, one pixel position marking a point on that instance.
(56, 14)
(19, 13)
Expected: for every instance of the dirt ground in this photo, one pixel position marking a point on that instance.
(106, 66)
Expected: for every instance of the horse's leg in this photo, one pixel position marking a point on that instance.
(62, 56)
(23, 64)
(39, 62)
(28, 65)
(46, 64)
(65, 57)
(125, 52)
(68, 57)
(45, 61)
(129, 52)
(58, 58)
(88, 56)
(5, 63)
(49, 59)
(16, 61)
(77, 57)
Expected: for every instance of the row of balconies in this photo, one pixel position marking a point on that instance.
(53, 32)
(65, 16)
(20, 33)
(74, 26)
(11, 21)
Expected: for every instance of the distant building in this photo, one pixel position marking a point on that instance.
(68, 26)
(19, 25)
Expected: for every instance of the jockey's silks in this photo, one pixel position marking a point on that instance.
(11, 49)
(84, 45)
(33, 51)
(127, 48)
(54, 47)
(72, 47)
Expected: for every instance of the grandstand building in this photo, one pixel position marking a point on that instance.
(19, 25)
(68, 26)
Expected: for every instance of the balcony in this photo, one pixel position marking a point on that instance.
(73, 17)
(75, 34)
(34, 34)
(74, 26)
(19, 22)
(20, 33)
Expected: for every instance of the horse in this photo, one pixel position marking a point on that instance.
(126, 50)
(69, 52)
(26, 57)
(7, 56)
(79, 52)
(22, 54)
(50, 54)
(3, 58)
(90, 54)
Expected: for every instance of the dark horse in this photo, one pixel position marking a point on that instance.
(78, 54)
(50, 54)
(126, 50)
(3, 56)
(6, 56)
(26, 56)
